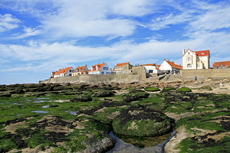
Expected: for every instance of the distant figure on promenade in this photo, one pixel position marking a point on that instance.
(195, 78)
(221, 84)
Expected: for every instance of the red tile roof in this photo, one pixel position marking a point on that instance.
(199, 53)
(172, 64)
(218, 64)
(79, 69)
(158, 65)
(65, 70)
(153, 64)
(202, 53)
(121, 64)
(59, 71)
(157, 68)
(99, 67)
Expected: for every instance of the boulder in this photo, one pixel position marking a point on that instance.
(142, 122)
(82, 98)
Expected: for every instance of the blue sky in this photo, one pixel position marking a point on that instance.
(41, 36)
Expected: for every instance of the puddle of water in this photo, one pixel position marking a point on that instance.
(42, 101)
(151, 144)
(19, 114)
(39, 112)
(46, 106)
(60, 101)
(41, 98)
(72, 112)
(16, 104)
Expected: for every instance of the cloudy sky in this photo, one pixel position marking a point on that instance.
(41, 36)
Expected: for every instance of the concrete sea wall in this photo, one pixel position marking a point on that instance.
(214, 74)
(94, 79)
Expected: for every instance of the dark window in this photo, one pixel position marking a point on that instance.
(150, 71)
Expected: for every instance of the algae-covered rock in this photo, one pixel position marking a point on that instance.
(103, 94)
(142, 122)
(132, 97)
(82, 98)
(152, 89)
(184, 89)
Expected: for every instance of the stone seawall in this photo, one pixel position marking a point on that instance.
(94, 79)
(137, 75)
(214, 74)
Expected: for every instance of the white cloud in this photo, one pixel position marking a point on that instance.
(49, 57)
(213, 19)
(8, 22)
(27, 33)
(165, 22)
(74, 19)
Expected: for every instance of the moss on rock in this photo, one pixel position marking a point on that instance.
(152, 89)
(184, 89)
(142, 122)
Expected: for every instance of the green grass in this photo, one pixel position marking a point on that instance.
(187, 143)
(198, 121)
(152, 89)
(184, 89)
(205, 88)
(168, 89)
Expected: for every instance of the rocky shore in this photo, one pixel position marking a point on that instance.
(79, 117)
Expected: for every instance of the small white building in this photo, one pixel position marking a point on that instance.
(80, 70)
(196, 59)
(152, 68)
(57, 73)
(100, 69)
(67, 72)
(170, 67)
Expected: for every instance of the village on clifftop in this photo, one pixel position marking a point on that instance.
(191, 60)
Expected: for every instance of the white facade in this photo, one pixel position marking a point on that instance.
(196, 59)
(67, 72)
(100, 70)
(170, 67)
(165, 66)
(152, 69)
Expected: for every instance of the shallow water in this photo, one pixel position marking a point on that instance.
(72, 112)
(41, 100)
(60, 101)
(39, 112)
(152, 144)
(46, 106)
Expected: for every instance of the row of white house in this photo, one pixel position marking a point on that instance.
(191, 60)
(103, 68)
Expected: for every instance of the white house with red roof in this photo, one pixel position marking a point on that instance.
(196, 59)
(66, 72)
(57, 73)
(102, 68)
(170, 67)
(152, 68)
(80, 70)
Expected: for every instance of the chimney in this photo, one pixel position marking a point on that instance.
(183, 51)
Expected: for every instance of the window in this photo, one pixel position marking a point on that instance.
(107, 72)
(189, 65)
(188, 53)
(102, 72)
(150, 71)
(105, 68)
(189, 58)
(198, 65)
